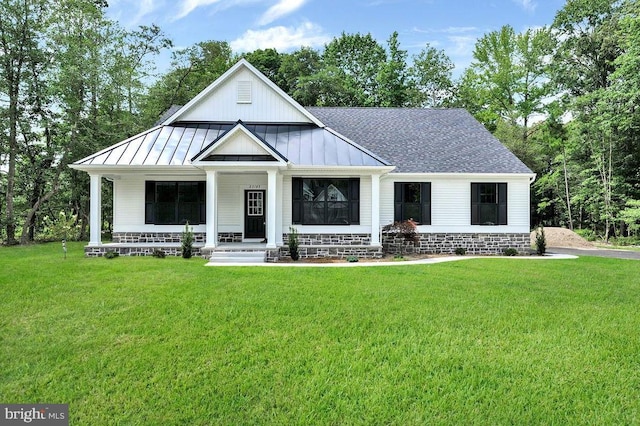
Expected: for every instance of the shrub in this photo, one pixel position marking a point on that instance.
(408, 229)
(61, 228)
(625, 241)
(111, 254)
(587, 234)
(461, 251)
(541, 241)
(293, 243)
(187, 242)
(510, 252)
(352, 259)
(159, 254)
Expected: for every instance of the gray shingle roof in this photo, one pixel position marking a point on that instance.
(418, 140)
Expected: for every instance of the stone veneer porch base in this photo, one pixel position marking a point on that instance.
(324, 245)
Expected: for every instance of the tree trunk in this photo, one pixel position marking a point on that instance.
(566, 187)
(32, 212)
(11, 174)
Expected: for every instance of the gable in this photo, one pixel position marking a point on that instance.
(239, 145)
(243, 93)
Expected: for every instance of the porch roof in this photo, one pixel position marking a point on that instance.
(177, 144)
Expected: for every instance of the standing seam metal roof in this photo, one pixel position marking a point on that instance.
(301, 144)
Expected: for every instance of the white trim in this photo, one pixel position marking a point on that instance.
(212, 209)
(95, 210)
(375, 210)
(279, 201)
(242, 63)
(398, 176)
(272, 196)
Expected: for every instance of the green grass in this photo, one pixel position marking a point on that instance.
(168, 341)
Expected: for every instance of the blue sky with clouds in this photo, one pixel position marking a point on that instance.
(451, 25)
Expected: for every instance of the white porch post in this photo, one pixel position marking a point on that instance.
(212, 208)
(279, 207)
(375, 210)
(272, 196)
(95, 210)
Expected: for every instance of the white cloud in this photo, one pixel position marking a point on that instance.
(283, 7)
(281, 38)
(528, 5)
(146, 7)
(461, 45)
(188, 6)
(448, 30)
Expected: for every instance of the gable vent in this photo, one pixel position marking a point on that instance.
(244, 92)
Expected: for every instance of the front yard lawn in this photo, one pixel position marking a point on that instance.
(170, 342)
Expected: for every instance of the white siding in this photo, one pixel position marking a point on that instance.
(231, 189)
(451, 203)
(266, 105)
(128, 206)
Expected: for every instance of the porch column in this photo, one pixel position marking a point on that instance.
(95, 210)
(272, 196)
(375, 210)
(212, 208)
(279, 207)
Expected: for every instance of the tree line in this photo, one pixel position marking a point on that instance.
(564, 98)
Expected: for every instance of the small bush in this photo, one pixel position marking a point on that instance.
(187, 242)
(64, 227)
(461, 251)
(587, 234)
(352, 259)
(159, 254)
(111, 255)
(541, 241)
(510, 252)
(293, 243)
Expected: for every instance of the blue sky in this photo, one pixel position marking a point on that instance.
(451, 25)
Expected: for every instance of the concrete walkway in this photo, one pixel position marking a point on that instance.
(363, 263)
(617, 254)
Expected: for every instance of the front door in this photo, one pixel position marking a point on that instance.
(254, 220)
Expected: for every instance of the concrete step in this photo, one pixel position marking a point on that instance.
(238, 256)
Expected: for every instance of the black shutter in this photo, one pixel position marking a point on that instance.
(475, 198)
(502, 204)
(354, 201)
(296, 205)
(202, 200)
(149, 202)
(425, 200)
(397, 201)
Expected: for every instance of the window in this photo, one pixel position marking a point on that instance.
(412, 200)
(174, 203)
(488, 203)
(326, 201)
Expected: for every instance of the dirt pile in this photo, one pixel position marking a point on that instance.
(561, 237)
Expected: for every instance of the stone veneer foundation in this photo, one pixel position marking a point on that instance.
(337, 246)
(324, 245)
(443, 243)
(154, 237)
